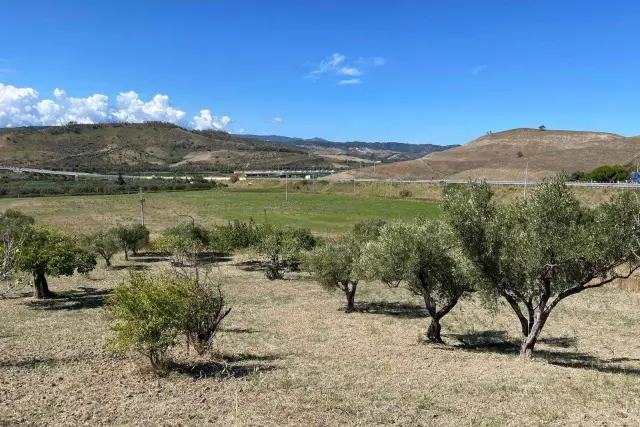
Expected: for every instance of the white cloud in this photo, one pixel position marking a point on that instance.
(24, 107)
(328, 65)
(349, 71)
(205, 120)
(276, 120)
(479, 69)
(241, 130)
(350, 82)
(336, 65)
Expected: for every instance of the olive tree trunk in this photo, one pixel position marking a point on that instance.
(350, 292)
(433, 333)
(40, 286)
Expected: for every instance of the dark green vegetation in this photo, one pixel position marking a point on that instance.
(606, 173)
(33, 185)
(153, 146)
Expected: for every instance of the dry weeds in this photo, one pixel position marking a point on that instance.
(290, 356)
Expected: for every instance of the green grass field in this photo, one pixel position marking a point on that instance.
(323, 213)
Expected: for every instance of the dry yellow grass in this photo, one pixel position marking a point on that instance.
(289, 356)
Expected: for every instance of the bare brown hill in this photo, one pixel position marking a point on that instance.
(503, 156)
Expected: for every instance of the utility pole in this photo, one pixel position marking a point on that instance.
(526, 173)
(286, 187)
(141, 207)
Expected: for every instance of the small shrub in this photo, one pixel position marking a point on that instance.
(282, 247)
(184, 239)
(234, 178)
(368, 229)
(148, 314)
(235, 235)
(520, 154)
(405, 194)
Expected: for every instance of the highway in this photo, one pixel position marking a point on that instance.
(613, 185)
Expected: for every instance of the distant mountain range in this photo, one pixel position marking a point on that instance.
(357, 150)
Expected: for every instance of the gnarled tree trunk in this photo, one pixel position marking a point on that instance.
(433, 333)
(350, 292)
(40, 286)
(529, 340)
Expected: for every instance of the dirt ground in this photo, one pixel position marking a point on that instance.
(290, 356)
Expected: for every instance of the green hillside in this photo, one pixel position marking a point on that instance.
(152, 146)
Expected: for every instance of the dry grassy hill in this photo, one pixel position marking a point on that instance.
(503, 156)
(143, 146)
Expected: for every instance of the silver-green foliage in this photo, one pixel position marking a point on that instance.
(335, 265)
(426, 257)
(536, 253)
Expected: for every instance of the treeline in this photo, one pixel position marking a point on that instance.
(20, 185)
(606, 173)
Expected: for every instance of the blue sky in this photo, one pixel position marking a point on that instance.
(428, 71)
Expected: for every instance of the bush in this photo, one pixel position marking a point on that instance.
(234, 178)
(206, 309)
(148, 313)
(405, 194)
(235, 235)
(368, 230)
(184, 239)
(608, 173)
(282, 247)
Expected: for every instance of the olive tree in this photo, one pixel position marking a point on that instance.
(15, 229)
(132, 237)
(335, 265)
(49, 252)
(534, 254)
(105, 243)
(425, 256)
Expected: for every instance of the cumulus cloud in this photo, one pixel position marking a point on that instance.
(335, 65)
(350, 82)
(24, 107)
(276, 120)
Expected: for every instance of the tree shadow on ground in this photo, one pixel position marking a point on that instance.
(240, 330)
(85, 297)
(229, 366)
(36, 362)
(252, 265)
(214, 257)
(395, 309)
(134, 267)
(500, 342)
